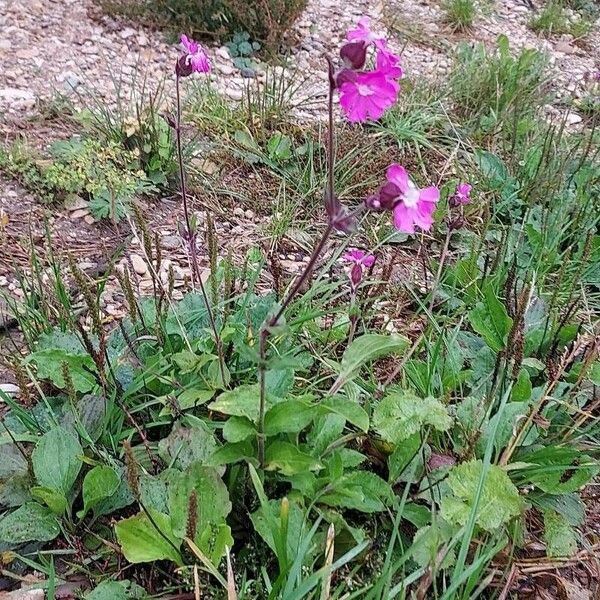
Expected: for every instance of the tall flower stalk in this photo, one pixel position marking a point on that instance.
(364, 96)
(193, 59)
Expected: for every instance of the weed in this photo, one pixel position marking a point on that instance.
(266, 21)
(554, 20)
(460, 13)
(494, 91)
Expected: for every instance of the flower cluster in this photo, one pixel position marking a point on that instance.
(366, 95)
(193, 58)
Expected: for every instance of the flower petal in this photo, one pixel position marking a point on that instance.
(404, 218)
(429, 194)
(398, 175)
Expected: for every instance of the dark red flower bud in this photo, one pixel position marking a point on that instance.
(356, 275)
(373, 202)
(183, 67)
(354, 54)
(389, 195)
(343, 76)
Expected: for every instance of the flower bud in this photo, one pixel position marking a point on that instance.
(356, 275)
(354, 54)
(373, 202)
(389, 195)
(183, 68)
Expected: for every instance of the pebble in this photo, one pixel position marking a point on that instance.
(139, 264)
(17, 99)
(10, 389)
(79, 213)
(170, 242)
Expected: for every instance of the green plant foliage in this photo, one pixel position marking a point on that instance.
(497, 502)
(559, 535)
(56, 460)
(460, 13)
(146, 537)
(265, 21)
(30, 522)
(399, 416)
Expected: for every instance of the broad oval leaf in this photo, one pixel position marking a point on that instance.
(31, 522)
(287, 459)
(351, 411)
(369, 347)
(399, 416)
(146, 538)
(99, 484)
(56, 460)
(499, 500)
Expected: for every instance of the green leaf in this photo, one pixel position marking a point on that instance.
(88, 414)
(290, 416)
(287, 459)
(428, 542)
(238, 429)
(490, 319)
(50, 363)
(351, 411)
(560, 537)
(56, 460)
(569, 506)
(15, 479)
(367, 348)
(108, 590)
(54, 500)
(560, 470)
(99, 484)
(267, 523)
(121, 498)
(29, 523)
(326, 429)
(521, 391)
(231, 453)
(190, 440)
(498, 503)
(188, 362)
(213, 503)
(141, 541)
(242, 401)
(359, 490)
(399, 416)
(406, 460)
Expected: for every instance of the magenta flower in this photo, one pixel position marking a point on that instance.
(359, 260)
(412, 207)
(366, 96)
(462, 194)
(193, 59)
(363, 33)
(388, 63)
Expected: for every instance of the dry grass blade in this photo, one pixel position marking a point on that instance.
(329, 546)
(231, 593)
(206, 562)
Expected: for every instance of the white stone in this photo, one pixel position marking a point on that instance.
(17, 99)
(139, 264)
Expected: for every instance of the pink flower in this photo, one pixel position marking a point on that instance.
(388, 63)
(359, 260)
(363, 33)
(412, 206)
(194, 58)
(462, 194)
(366, 96)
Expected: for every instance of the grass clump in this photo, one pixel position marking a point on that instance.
(553, 19)
(460, 14)
(265, 21)
(494, 90)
